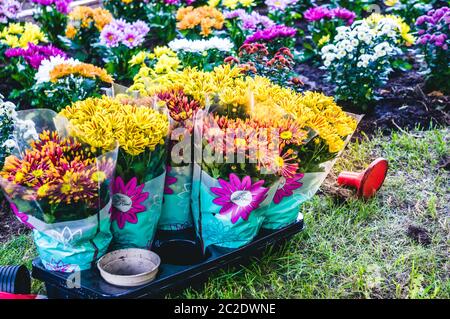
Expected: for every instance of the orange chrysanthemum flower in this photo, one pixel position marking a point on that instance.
(83, 69)
(207, 18)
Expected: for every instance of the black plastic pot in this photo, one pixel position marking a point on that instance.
(15, 279)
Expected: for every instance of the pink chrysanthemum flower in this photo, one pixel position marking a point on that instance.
(287, 186)
(170, 180)
(127, 201)
(239, 198)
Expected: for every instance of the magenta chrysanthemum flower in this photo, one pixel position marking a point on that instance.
(127, 201)
(344, 14)
(317, 13)
(21, 216)
(35, 54)
(287, 186)
(269, 34)
(170, 180)
(61, 5)
(239, 198)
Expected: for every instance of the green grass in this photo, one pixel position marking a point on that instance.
(352, 248)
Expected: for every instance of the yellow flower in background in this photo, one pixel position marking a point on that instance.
(247, 3)
(15, 35)
(139, 58)
(160, 51)
(230, 4)
(390, 3)
(323, 40)
(127, 1)
(213, 3)
(15, 28)
(101, 122)
(166, 64)
(403, 28)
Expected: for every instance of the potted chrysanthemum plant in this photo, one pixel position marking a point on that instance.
(141, 132)
(60, 188)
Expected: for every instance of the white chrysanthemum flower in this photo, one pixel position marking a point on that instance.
(200, 46)
(43, 73)
(328, 48)
(9, 144)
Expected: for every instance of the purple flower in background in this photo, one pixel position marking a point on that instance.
(269, 34)
(9, 10)
(238, 13)
(110, 36)
(250, 21)
(344, 14)
(35, 54)
(433, 28)
(61, 5)
(318, 13)
(279, 4)
(121, 32)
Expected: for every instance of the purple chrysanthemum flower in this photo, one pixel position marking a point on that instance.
(250, 21)
(238, 13)
(121, 32)
(279, 4)
(239, 198)
(344, 14)
(287, 186)
(61, 5)
(35, 54)
(271, 33)
(9, 10)
(317, 13)
(433, 28)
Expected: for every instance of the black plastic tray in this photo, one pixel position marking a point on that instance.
(192, 267)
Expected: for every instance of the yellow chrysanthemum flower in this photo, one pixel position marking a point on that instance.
(213, 3)
(323, 40)
(404, 29)
(247, 3)
(390, 3)
(230, 4)
(101, 122)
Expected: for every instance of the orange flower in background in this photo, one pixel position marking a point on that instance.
(208, 18)
(71, 31)
(82, 17)
(83, 69)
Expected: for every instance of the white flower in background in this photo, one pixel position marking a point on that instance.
(200, 46)
(8, 109)
(43, 73)
(9, 144)
(27, 129)
(327, 48)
